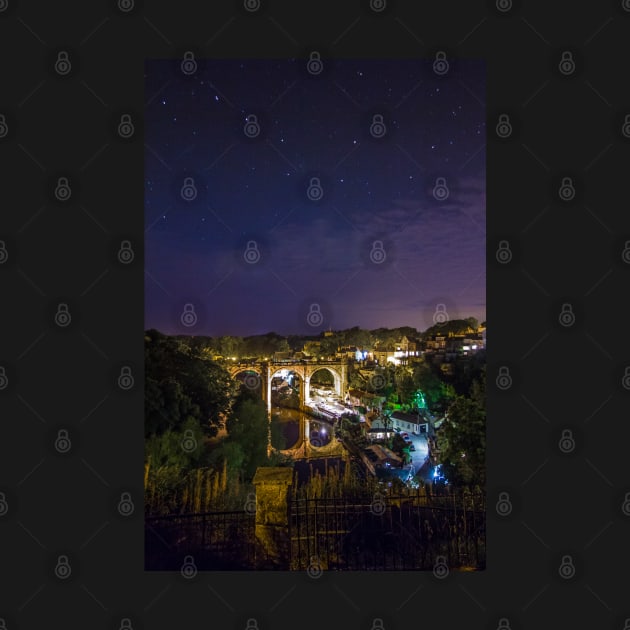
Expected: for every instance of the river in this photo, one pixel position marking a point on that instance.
(320, 431)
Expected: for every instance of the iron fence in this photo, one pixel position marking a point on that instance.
(380, 533)
(392, 533)
(216, 541)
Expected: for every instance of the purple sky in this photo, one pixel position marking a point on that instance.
(313, 252)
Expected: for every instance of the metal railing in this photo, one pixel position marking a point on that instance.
(386, 532)
(390, 533)
(216, 540)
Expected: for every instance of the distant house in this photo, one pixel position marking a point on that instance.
(384, 455)
(359, 397)
(378, 430)
(384, 355)
(417, 423)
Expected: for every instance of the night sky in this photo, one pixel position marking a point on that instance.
(251, 252)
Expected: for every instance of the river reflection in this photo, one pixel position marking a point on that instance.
(320, 431)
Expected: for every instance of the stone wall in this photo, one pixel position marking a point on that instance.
(273, 487)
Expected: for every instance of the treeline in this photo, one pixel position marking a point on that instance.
(266, 345)
(189, 399)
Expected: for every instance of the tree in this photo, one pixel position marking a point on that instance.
(473, 323)
(462, 439)
(431, 385)
(180, 383)
(405, 385)
(247, 427)
(357, 337)
(182, 448)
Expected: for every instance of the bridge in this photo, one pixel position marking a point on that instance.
(262, 374)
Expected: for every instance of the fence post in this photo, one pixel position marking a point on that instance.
(273, 486)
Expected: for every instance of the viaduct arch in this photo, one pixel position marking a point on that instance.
(266, 371)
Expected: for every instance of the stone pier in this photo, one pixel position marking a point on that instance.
(273, 486)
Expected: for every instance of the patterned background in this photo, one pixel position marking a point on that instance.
(556, 439)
